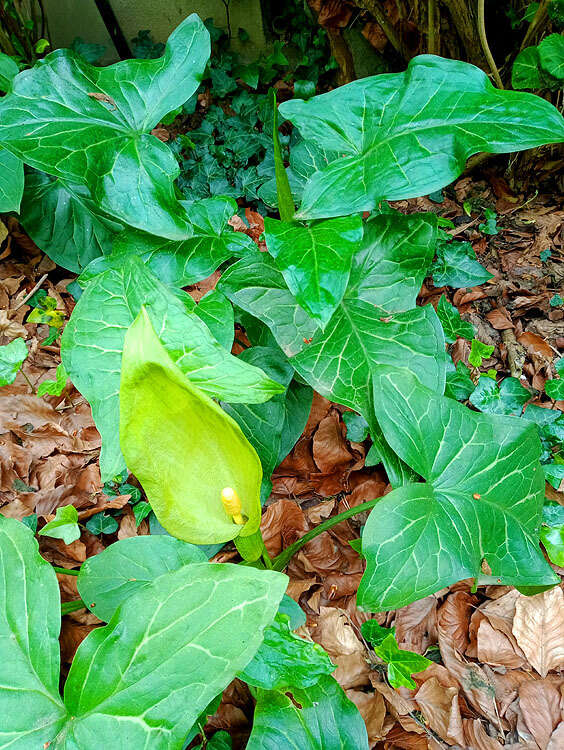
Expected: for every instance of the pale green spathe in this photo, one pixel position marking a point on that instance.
(182, 446)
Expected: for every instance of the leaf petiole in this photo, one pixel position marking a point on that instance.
(282, 560)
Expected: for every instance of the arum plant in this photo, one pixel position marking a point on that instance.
(330, 306)
(201, 475)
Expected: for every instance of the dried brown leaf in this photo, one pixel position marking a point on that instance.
(538, 627)
(539, 701)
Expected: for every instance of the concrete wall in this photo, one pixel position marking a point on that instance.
(71, 18)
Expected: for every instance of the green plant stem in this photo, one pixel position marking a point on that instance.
(282, 560)
(73, 606)
(485, 45)
(65, 571)
(267, 560)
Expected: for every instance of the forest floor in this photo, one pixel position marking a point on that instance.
(498, 680)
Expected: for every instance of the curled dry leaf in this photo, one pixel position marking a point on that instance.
(336, 634)
(557, 740)
(439, 706)
(539, 629)
(416, 625)
(330, 450)
(454, 618)
(476, 737)
(282, 523)
(373, 710)
(496, 649)
(539, 701)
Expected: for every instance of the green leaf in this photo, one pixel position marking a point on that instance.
(12, 357)
(143, 679)
(286, 661)
(526, 72)
(552, 532)
(459, 384)
(551, 56)
(357, 427)
(456, 266)
(490, 225)
(478, 352)
(30, 620)
(304, 89)
(263, 424)
(217, 313)
(315, 260)
(141, 510)
(375, 633)
(92, 343)
(100, 523)
(219, 741)
(54, 387)
(367, 328)
(63, 221)
(507, 398)
(401, 664)
(452, 323)
(482, 499)
(11, 181)
(64, 526)
(284, 194)
(555, 389)
(107, 579)
(182, 446)
(92, 126)
(554, 473)
(9, 69)
(256, 285)
(210, 242)
(410, 134)
(320, 717)
(291, 608)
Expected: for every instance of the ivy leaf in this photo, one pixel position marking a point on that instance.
(552, 532)
(210, 242)
(107, 579)
(11, 181)
(409, 134)
(555, 389)
(286, 661)
(456, 266)
(478, 352)
(401, 663)
(319, 717)
(91, 125)
(54, 387)
(166, 423)
(64, 526)
(554, 473)
(12, 357)
(482, 499)
(507, 398)
(315, 260)
(459, 384)
(30, 621)
(100, 523)
(452, 323)
(144, 678)
(63, 221)
(357, 427)
(92, 344)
